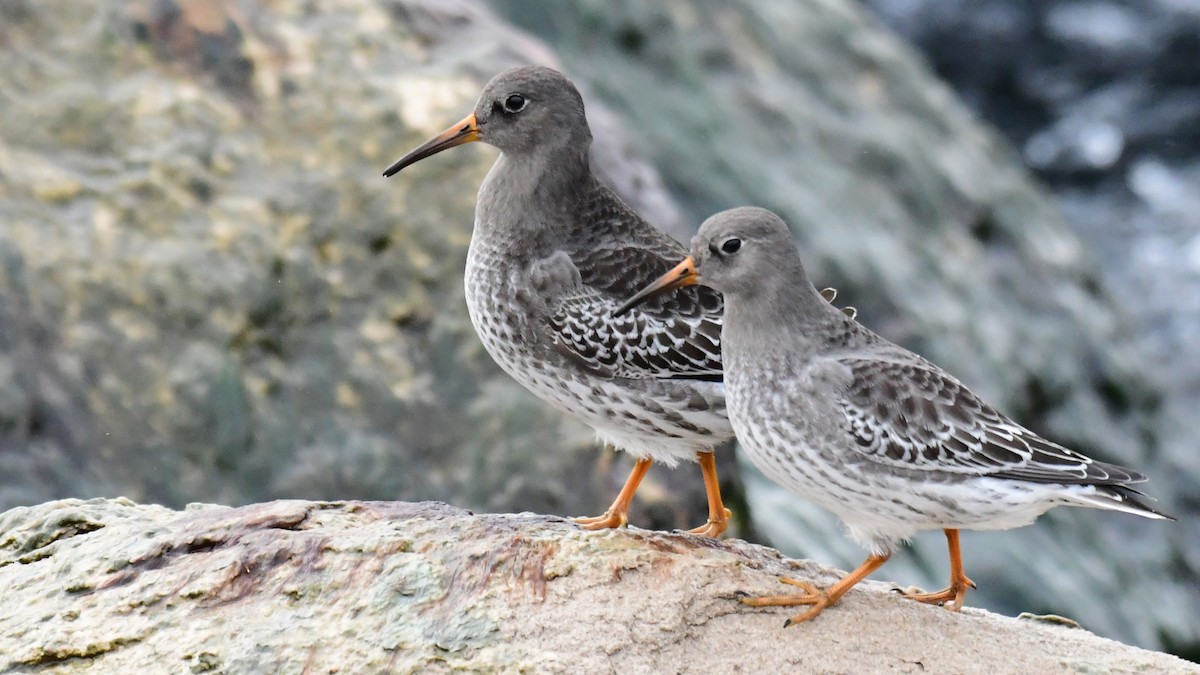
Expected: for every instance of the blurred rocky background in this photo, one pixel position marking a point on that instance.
(208, 293)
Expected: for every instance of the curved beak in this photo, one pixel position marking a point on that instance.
(464, 132)
(683, 274)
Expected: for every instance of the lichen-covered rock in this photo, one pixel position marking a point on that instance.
(353, 587)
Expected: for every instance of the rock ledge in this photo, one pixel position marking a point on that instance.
(294, 586)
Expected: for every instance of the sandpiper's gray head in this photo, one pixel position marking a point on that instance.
(744, 252)
(521, 111)
(740, 250)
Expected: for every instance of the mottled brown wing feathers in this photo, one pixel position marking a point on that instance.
(615, 254)
(674, 336)
(915, 416)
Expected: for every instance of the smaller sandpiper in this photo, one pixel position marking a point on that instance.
(889, 442)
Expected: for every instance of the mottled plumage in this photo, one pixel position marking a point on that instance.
(542, 306)
(553, 253)
(886, 440)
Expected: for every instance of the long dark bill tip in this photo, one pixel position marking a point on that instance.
(683, 274)
(465, 131)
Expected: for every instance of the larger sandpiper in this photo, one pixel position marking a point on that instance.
(886, 440)
(553, 253)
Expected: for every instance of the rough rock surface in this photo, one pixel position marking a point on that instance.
(293, 586)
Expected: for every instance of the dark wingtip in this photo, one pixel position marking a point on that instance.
(1140, 500)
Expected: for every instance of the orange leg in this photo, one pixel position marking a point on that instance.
(819, 599)
(718, 515)
(959, 583)
(616, 516)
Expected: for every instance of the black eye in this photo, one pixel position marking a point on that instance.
(731, 246)
(515, 103)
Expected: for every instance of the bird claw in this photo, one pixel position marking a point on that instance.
(811, 614)
(802, 585)
(950, 598)
(710, 529)
(817, 598)
(604, 521)
(714, 527)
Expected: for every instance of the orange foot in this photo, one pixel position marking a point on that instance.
(956, 592)
(812, 595)
(718, 515)
(616, 516)
(607, 520)
(715, 526)
(818, 598)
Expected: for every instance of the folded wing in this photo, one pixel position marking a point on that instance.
(914, 416)
(677, 335)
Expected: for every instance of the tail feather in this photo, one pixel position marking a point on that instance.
(1122, 498)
